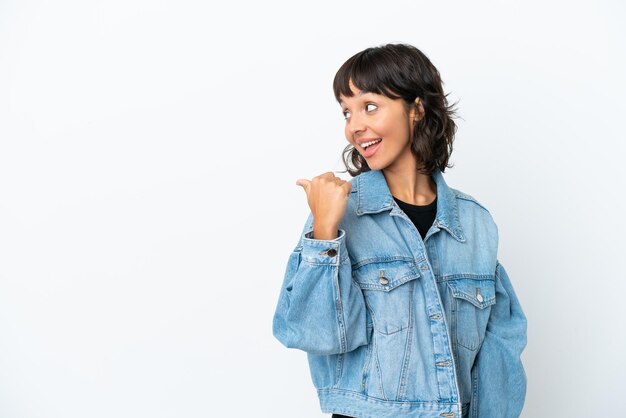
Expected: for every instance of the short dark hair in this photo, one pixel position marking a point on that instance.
(402, 71)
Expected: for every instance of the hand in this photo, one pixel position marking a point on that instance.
(327, 196)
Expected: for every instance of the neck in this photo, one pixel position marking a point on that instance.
(410, 186)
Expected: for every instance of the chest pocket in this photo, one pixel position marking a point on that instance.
(388, 285)
(471, 306)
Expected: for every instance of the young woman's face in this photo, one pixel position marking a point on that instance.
(376, 118)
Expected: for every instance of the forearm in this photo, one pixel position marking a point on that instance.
(499, 378)
(320, 309)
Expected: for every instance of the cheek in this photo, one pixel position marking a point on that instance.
(384, 129)
(396, 128)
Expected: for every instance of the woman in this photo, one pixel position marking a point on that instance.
(394, 289)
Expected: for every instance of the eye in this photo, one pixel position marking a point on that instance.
(345, 114)
(370, 104)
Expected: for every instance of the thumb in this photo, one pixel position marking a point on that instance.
(305, 184)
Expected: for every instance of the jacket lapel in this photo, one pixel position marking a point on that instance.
(373, 196)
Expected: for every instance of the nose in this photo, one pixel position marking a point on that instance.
(355, 125)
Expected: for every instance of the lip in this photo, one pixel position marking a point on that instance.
(371, 150)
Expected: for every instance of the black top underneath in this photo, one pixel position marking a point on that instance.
(422, 216)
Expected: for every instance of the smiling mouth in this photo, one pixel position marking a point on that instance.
(369, 144)
(371, 148)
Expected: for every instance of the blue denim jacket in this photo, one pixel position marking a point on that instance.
(396, 326)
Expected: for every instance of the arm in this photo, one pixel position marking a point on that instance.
(499, 380)
(320, 309)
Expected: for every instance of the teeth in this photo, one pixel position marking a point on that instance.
(367, 144)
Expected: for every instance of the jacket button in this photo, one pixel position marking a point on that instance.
(383, 279)
(479, 297)
(332, 252)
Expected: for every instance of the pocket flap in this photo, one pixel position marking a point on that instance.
(480, 292)
(385, 274)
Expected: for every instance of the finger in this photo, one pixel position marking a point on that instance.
(304, 183)
(347, 187)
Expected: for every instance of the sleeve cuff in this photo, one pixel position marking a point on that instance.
(319, 251)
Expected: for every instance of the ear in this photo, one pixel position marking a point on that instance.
(417, 111)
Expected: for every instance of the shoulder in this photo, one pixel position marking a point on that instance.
(464, 197)
(474, 212)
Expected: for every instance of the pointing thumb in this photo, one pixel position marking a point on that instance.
(304, 183)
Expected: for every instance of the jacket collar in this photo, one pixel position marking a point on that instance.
(373, 196)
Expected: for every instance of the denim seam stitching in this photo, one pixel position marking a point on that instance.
(339, 313)
(370, 260)
(457, 276)
(380, 373)
(368, 360)
(407, 355)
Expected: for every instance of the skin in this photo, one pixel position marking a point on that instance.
(371, 115)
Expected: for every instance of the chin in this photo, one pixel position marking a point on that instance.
(375, 165)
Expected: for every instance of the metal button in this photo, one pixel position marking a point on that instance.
(423, 267)
(443, 363)
(383, 279)
(332, 252)
(479, 297)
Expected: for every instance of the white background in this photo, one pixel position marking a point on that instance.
(148, 158)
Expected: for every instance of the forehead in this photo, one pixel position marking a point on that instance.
(357, 95)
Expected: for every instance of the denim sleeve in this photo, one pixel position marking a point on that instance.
(320, 309)
(499, 380)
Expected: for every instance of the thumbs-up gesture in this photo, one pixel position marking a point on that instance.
(327, 196)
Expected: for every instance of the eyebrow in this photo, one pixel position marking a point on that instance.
(359, 95)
